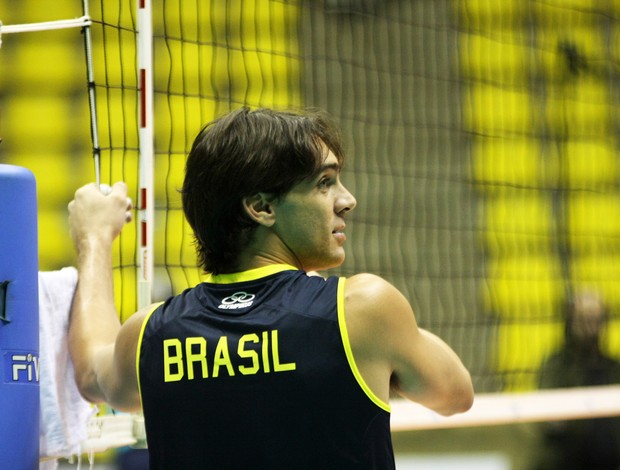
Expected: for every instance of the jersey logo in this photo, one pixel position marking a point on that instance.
(237, 300)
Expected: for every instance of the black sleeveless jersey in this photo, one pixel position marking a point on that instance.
(254, 370)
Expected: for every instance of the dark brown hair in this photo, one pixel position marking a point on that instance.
(241, 154)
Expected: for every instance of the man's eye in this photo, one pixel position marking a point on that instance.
(324, 182)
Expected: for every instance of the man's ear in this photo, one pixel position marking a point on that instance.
(259, 208)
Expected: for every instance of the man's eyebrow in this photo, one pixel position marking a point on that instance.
(329, 166)
(325, 167)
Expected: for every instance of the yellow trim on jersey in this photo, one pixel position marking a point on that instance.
(349, 352)
(250, 275)
(139, 348)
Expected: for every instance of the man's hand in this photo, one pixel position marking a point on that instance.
(98, 217)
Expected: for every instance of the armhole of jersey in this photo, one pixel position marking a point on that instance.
(349, 352)
(139, 346)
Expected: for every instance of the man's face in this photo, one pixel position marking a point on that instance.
(310, 218)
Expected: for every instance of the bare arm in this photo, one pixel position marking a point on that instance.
(391, 350)
(102, 351)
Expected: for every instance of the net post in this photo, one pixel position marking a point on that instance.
(92, 99)
(145, 121)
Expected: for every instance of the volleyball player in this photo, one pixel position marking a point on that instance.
(263, 365)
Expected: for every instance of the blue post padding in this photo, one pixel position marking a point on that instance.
(19, 320)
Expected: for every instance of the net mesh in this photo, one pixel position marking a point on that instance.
(539, 105)
(481, 139)
(114, 59)
(481, 136)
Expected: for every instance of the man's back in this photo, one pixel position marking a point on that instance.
(261, 187)
(258, 373)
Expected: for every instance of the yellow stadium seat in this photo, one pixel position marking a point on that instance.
(114, 13)
(502, 60)
(159, 240)
(506, 162)
(120, 164)
(285, 84)
(579, 111)
(519, 223)
(166, 19)
(62, 10)
(189, 28)
(173, 179)
(115, 58)
(59, 67)
(81, 121)
(125, 298)
(173, 232)
(162, 64)
(594, 222)
(52, 115)
(496, 110)
(178, 120)
(55, 245)
(566, 14)
(56, 177)
(160, 172)
(491, 14)
(118, 122)
(523, 286)
(125, 248)
(194, 118)
(523, 347)
(580, 5)
(179, 79)
(179, 257)
(262, 25)
(193, 57)
(588, 164)
(164, 132)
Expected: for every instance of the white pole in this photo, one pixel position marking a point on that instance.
(145, 121)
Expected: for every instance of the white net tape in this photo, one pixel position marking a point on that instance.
(106, 432)
(505, 408)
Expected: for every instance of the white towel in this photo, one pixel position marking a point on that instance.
(64, 413)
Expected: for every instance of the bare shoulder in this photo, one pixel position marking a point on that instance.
(376, 311)
(368, 287)
(372, 296)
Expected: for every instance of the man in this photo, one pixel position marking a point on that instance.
(263, 365)
(588, 443)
